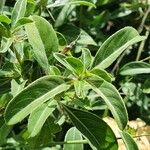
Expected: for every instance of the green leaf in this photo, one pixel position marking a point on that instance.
(38, 117)
(33, 96)
(72, 135)
(115, 45)
(59, 3)
(2, 4)
(45, 136)
(80, 88)
(5, 19)
(9, 70)
(60, 58)
(5, 44)
(102, 73)
(75, 64)
(134, 68)
(16, 88)
(71, 63)
(54, 70)
(93, 128)
(18, 11)
(81, 2)
(146, 86)
(86, 58)
(46, 41)
(128, 141)
(47, 34)
(86, 39)
(111, 97)
(4, 31)
(21, 22)
(4, 85)
(4, 131)
(66, 10)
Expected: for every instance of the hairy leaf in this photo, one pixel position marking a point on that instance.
(86, 58)
(102, 73)
(33, 96)
(111, 97)
(46, 41)
(72, 135)
(21, 22)
(115, 45)
(39, 115)
(128, 141)
(75, 64)
(5, 19)
(134, 68)
(18, 11)
(93, 128)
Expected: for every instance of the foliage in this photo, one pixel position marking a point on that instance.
(59, 67)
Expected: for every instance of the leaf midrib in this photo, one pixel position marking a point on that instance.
(40, 118)
(83, 126)
(22, 2)
(107, 102)
(52, 93)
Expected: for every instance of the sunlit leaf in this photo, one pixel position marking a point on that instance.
(86, 58)
(111, 97)
(18, 11)
(75, 64)
(102, 73)
(33, 96)
(45, 42)
(72, 135)
(115, 45)
(128, 141)
(134, 68)
(39, 116)
(5, 19)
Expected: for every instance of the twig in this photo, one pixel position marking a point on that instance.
(147, 58)
(140, 29)
(68, 142)
(69, 47)
(50, 14)
(118, 61)
(17, 54)
(141, 47)
(86, 142)
(136, 136)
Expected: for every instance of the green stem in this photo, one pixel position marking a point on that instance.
(141, 47)
(50, 14)
(147, 58)
(119, 60)
(85, 141)
(69, 142)
(17, 54)
(144, 19)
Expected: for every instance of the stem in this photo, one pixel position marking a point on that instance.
(126, 81)
(118, 61)
(69, 142)
(136, 136)
(143, 20)
(141, 47)
(50, 14)
(85, 141)
(147, 58)
(17, 55)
